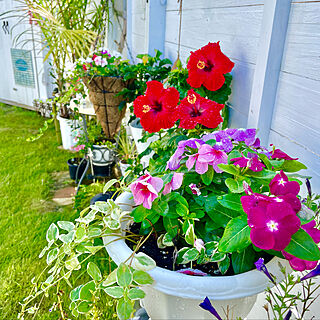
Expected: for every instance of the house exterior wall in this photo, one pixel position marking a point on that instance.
(237, 25)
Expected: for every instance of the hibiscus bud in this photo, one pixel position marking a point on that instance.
(199, 244)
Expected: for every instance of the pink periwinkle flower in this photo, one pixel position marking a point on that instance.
(300, 264)
(199, 244)
(272, 225)
(279, 154)
(100, 61)
(174, 184)
(192, 272)
(194, 189)
(206, 156)
(251, 161)
(79, 147)
(280, 185)
(145, 189)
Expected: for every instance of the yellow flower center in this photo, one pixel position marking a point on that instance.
(201, 64)
(192, 98)
(146, 108)
(272, 225)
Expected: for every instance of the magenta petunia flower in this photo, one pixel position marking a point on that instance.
(272, 226)
(174, 184)
(251, 161)
(145, 189)
(278, 154)
(280, 185)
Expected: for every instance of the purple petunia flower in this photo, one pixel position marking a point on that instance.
(262, 267)
(312, 274)
(206, 305)
(288, 315)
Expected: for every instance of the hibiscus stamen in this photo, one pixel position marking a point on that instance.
(272, 225)
(192, 98)
(146, 108)
(201, 64)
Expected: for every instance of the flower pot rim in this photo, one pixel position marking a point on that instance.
(196, 287)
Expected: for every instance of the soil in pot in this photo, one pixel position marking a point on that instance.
(165, 258)
(73, 164)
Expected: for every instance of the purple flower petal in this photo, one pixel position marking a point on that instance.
(312, 274)
(206, 305)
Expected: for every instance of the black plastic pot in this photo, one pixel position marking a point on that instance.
(73, 164)
(102, 197)
(103, 171)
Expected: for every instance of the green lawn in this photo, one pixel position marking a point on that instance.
(25, 210)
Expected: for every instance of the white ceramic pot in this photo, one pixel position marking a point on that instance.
(102, 155)
(177, 296)
(68, 129)
(123, 167)
(137, 133)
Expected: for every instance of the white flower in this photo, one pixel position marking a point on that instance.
(199, 244)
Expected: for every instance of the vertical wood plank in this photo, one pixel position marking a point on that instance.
(265, 82)
(156, 25)
(129, 29)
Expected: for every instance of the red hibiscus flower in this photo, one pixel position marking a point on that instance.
(195, 109)
(157, 108)
(207, 66)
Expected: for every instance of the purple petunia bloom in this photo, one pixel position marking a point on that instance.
(174, 161)
(251, 161)
(174, 184)
(280, 185)
(312, 274)
(288, 315)
(262, 267)
(206, 305)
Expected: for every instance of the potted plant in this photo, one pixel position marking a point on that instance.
(126, 151)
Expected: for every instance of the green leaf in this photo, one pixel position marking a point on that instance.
(84, 307)
(303, 247)
(124, 309)
(94, 232)
(229, 168)
(68, 237)
(89, 217)
(52, 255)
(142, 277)
(190, 235)
(109, 184)
(111, 279)
(80, 234)
(124, 275)
(73, 263)
(136, 294)
(94, 271)
(171, 226)
(236, 235)
(143, 262)
(75, 293)
(52, 233)
(140, 213)
(292, 166)
(167, 178)
(114, 292)
(224, 265)
(190, 255)
(87, 290)
(160, 207)
(208, 176)
(66, 225)
(235, 186)
(231, 201)
(218, 214)
(243, 261)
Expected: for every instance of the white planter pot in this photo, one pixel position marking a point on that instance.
(137, 133)
(68, 134)
(102, 155)
(123, 167)
(177, 296)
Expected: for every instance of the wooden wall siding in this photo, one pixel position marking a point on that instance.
(236, 24)
(296, 119)
(139, 30)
